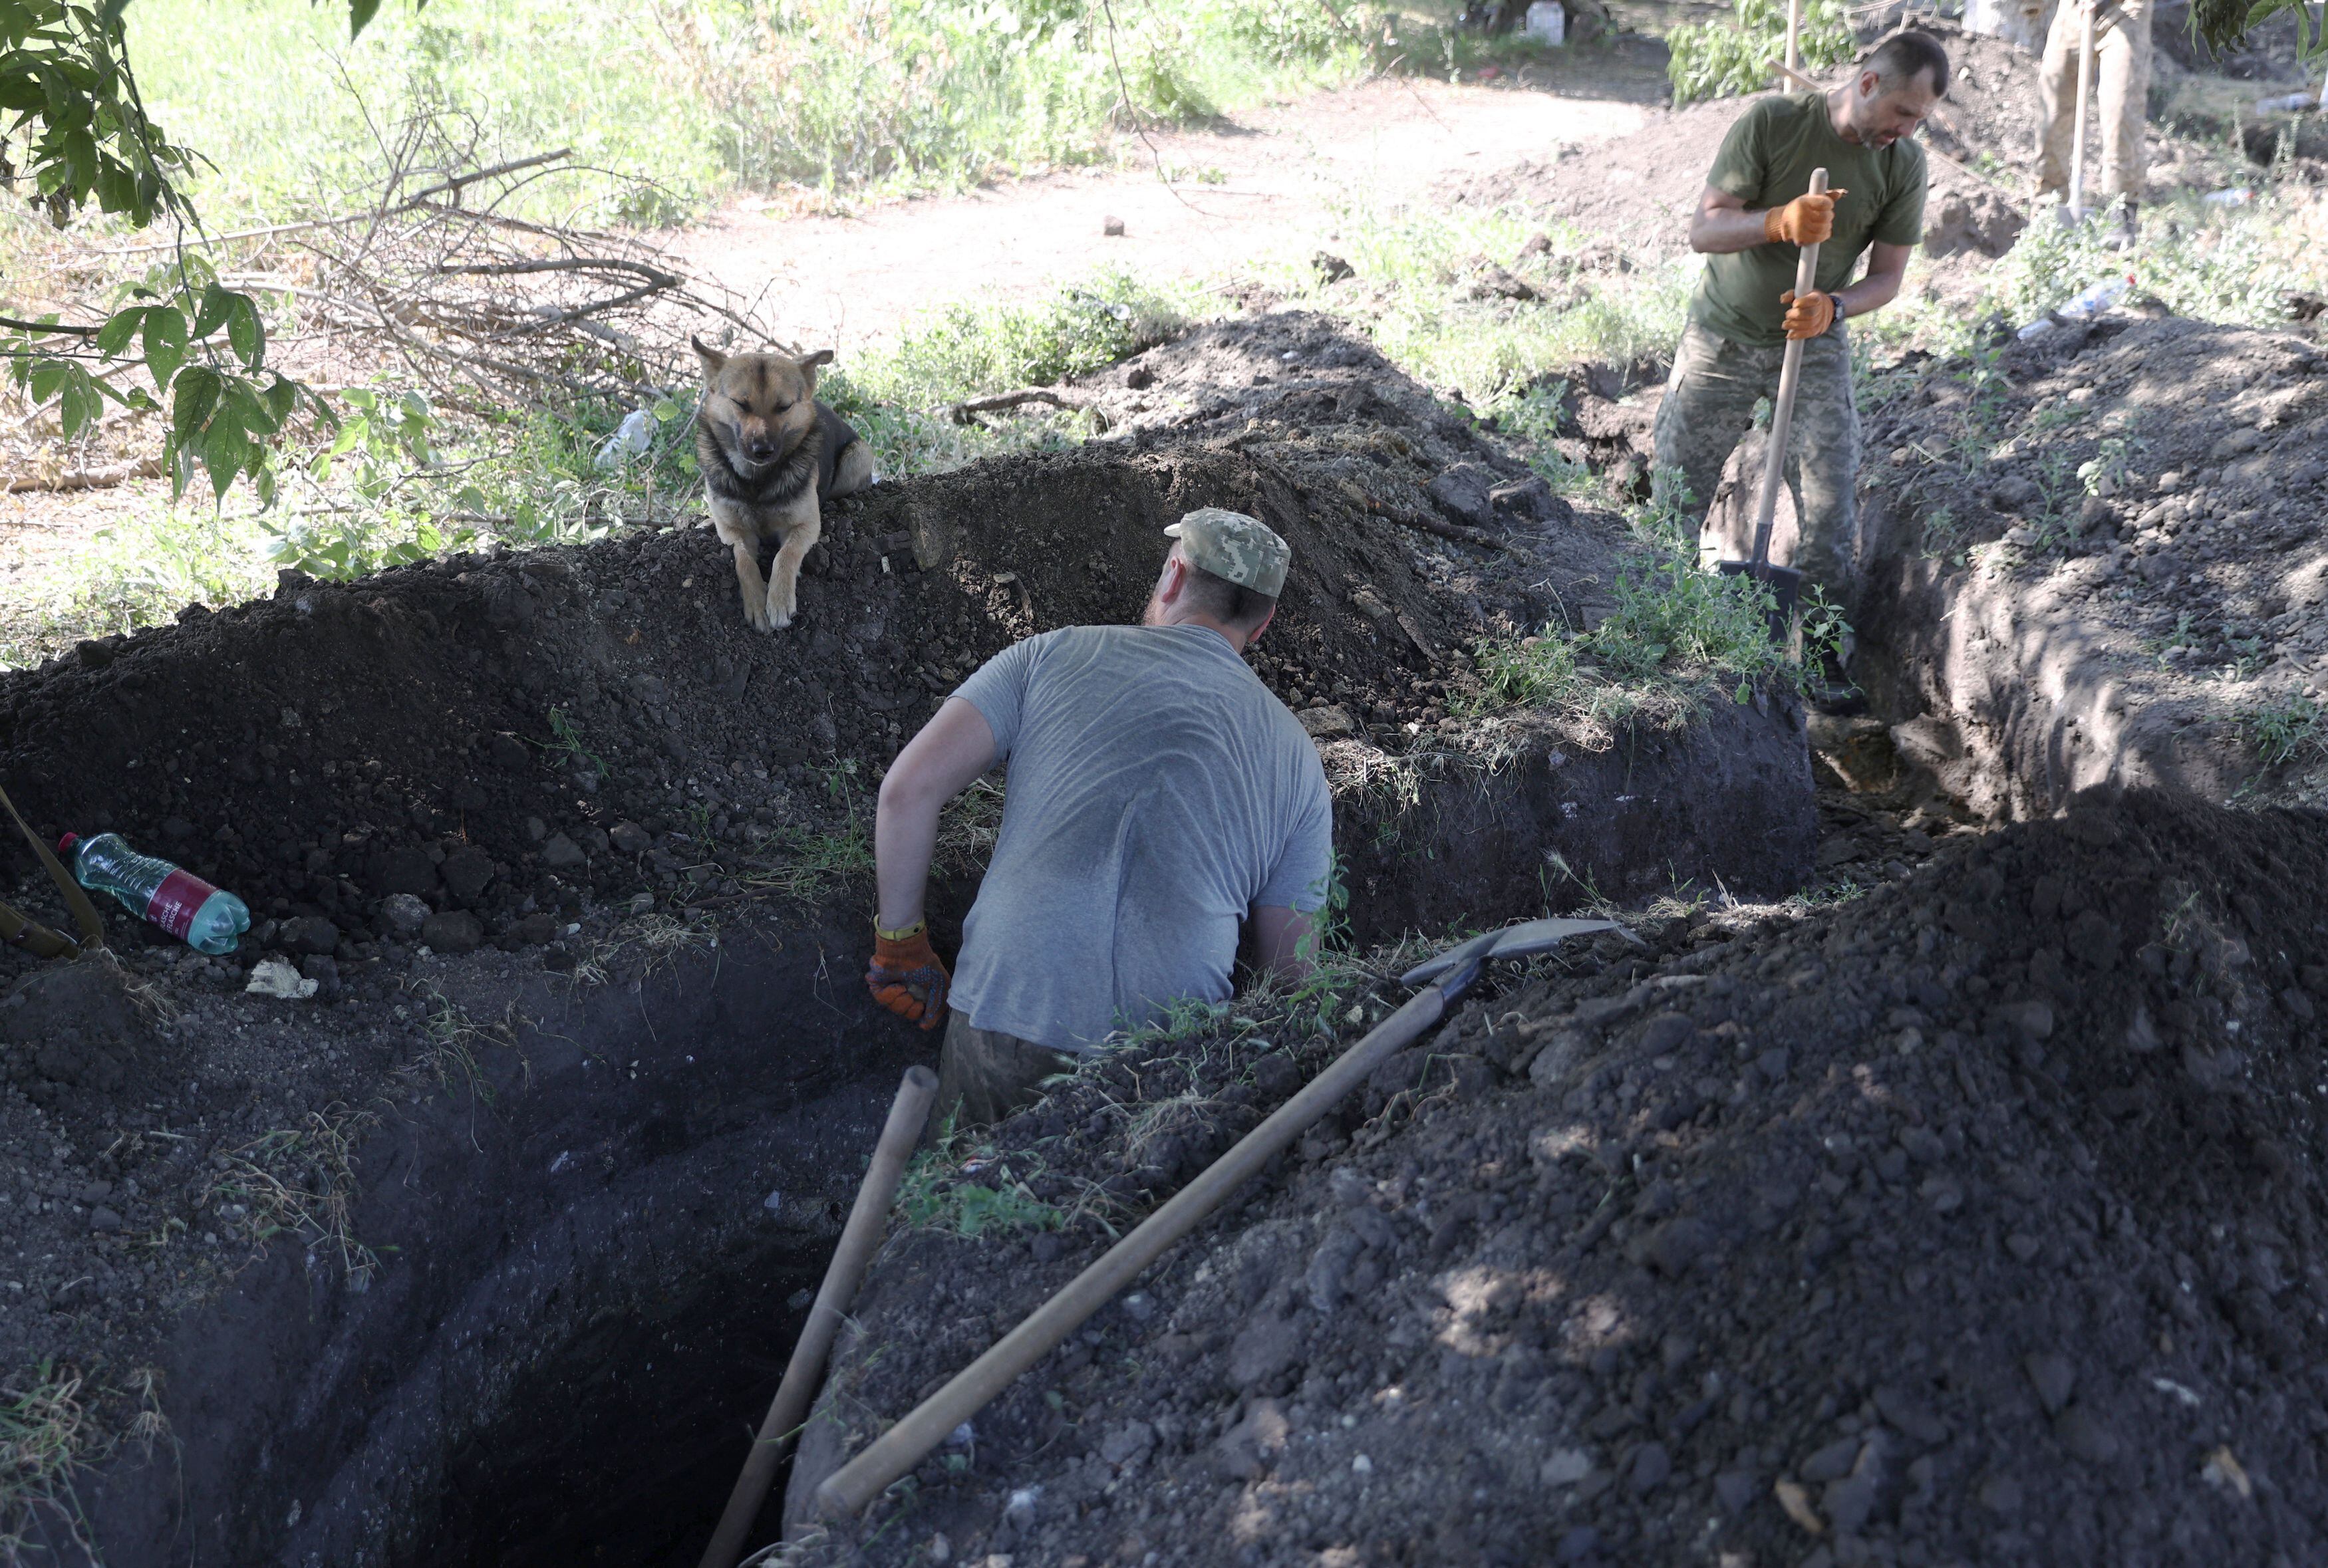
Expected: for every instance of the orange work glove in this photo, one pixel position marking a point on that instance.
(905, 976)
(1805, 221)
(1809, 316)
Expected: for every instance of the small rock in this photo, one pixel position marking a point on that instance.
(536, 829)
(1662, 1033)
(1908, 1415)
(404, 914)
(1331, 267)
(561, 852)
(1566, 1467)
(2085, 1435)
(1332, 722)
(1127, 1443)
(1268, 1348)
(1111, 227)
(1675, 1245)
(1833, 1462)
(1848, 1502)
(308, 934)
(535, 929)
(2031, 1019)
(467, 872)
(455, 931)
(1922, 1145)
(630, 838)
(1577, 1544)
(1944, 1192)
(1735, 1490)
(1650, 1467)
(325, 970)
(2000, 1495)
(2052, 1378)
(104, 1221)
(1465, 492)
(1772, 1063)
(404, 869)
(1020, 1511)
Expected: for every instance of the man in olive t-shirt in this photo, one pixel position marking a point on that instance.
(1756, 213)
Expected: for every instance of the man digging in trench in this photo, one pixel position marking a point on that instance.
(1159, 796)
(1756, 214)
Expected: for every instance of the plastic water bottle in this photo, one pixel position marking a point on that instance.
(181, 902)
(2097, 299)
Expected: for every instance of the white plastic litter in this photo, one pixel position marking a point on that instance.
(2286, 103)
(276, 977)
(630, 440)
(1547, 23)
(2230, 196)
(2084, 307)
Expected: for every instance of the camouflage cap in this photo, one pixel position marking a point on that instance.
(1243, 549)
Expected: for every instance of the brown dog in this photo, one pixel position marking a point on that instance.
(770, 454)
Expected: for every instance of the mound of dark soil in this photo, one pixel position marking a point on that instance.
(2095, 556)
(1979, 1220)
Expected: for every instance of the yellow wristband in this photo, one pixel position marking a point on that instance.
(916, 929)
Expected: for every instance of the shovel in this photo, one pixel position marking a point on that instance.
(1784, 583)
(1443, 980)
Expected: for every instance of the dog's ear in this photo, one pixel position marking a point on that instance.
(808, 362)
(712, 360)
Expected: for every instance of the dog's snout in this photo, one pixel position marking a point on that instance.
(759, 448)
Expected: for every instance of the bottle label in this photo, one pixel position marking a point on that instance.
(176, 902)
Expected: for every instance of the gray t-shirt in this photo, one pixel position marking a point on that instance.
(1158, 792)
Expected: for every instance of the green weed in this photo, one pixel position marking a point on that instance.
(1677, 634)
(2294, 727)
(1721, 59)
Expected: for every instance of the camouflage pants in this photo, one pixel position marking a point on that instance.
(983, 1075)
(1709, 406)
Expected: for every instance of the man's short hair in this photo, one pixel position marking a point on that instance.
(1904, 56)
(1231, 604)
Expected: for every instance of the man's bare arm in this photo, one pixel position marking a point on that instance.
(951, 750)
(1887, 265)
(1721, 226)
(1280, 939)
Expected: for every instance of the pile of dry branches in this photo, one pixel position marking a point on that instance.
(486, 308)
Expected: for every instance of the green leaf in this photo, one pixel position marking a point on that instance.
(281, 396)
(247, 331)
(119, 328)
(665, 410)
(360, 16)
(218, 304)
(47, 377)
(165, 343)
(194, 395)
(226, 450)
(79, 405)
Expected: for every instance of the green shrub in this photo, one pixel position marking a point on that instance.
(1720, 60)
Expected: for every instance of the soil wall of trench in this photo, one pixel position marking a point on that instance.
(589, 1274)
(580, 1293)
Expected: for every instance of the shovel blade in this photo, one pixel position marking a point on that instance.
(1785, 585)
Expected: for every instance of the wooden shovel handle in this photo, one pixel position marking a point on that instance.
(1782, 406)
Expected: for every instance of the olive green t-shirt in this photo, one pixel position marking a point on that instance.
(1766, 161)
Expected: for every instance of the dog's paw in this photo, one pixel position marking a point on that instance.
(779, 623)
(756, 615)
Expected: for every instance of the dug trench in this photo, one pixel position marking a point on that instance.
(486, 1249)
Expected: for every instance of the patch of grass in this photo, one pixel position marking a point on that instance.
(1678, 635)
(697, 96)
(1721, 59)
(2286, 730)
(1416, 294)
(51, 1430)
(299, 1181)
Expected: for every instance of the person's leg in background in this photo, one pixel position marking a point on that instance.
(2122, 73)
(1825, 471)
(2057, 99)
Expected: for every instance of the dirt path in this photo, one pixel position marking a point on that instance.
(1262, 181)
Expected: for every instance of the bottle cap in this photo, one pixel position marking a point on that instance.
(65, 844)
